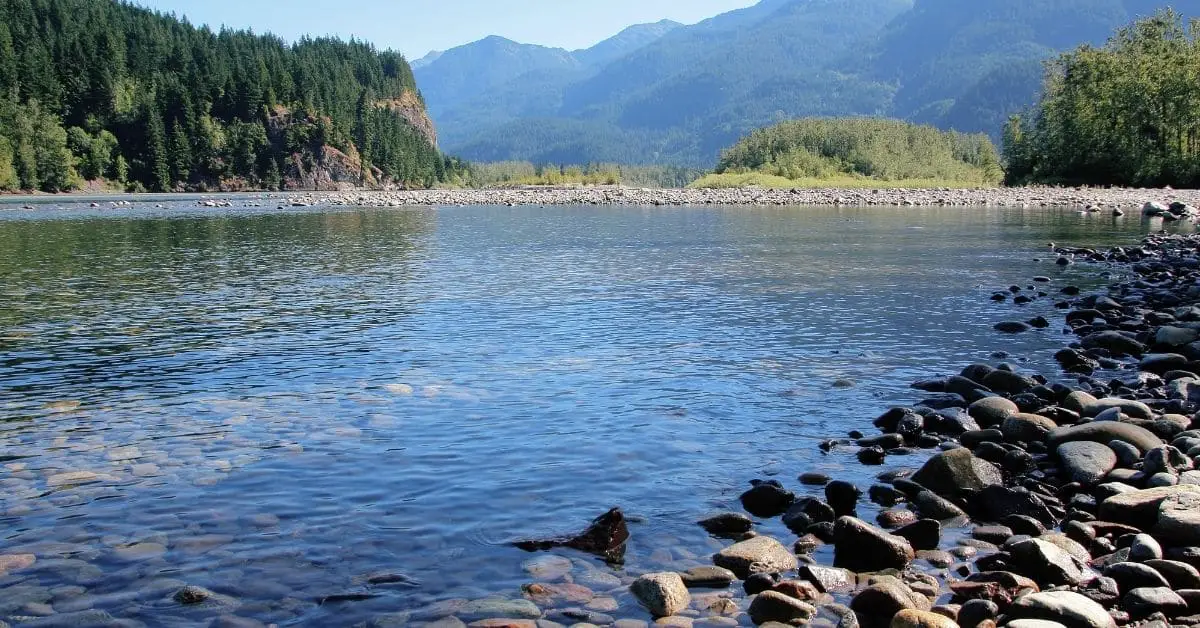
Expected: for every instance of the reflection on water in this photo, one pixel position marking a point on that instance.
(279, 405)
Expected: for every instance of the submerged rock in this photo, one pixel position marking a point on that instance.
(606, 538)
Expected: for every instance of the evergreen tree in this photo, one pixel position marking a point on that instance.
(157, 159)
(8, 173)
(9, 87)
(181, 154)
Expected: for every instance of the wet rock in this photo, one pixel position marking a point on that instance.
(1005, 381)
(813, 478)
(1012, 327)
(997, 502)
(1103, 432)
(758, 582)
(912, 618)
(606, 537)
(1025, 428)
(767, 499)
(775, 606)
(190, 595)
(1141, 508)
(991, 411)
(802, 590)
(951, 473)
(1178, 520)
(1086, 462)
(1065, 607)
(1142, 602)
(762, 552)
(859, 546)
(876, 605)
(663, 594)
(1046, 562)
(828, 579)
(834, 616)
(992, 534)
(1115, 342)
(843, 497)
(728, 524)
(548, 568)
(546, 594)
(708, 577)
(974, 612)
(498, 608)
(896, 518)
(930, 505)
(925, 534)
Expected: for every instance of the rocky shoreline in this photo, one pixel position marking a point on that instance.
(1096, 199)
(1070, 502)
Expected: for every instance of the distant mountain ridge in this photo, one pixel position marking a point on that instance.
(666, 93)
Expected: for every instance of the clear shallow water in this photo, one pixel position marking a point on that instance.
(275, 404)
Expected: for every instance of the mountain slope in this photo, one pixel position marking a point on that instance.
(624, 42)
(695, 89)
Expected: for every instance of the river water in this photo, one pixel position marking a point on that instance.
(276, 404)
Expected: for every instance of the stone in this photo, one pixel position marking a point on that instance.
(1077, 400)
(498, 608)
(710, 577)
(974, 612)
(859, 546)
(802, 590)
(991, 411)
(15, 562)
(545, 593)
(1142, 602)
(1176, 336)
(605, 537)
(813, 478)
(767, 499)
(663, 594)
(912, 618)
(1086, 462)
(1144, 548)
(834, 616)
(1033, 623)
(950, 473)
(925, 534)
(876, 605)
(727, 524)
(994, 503)
(933, 506)
(1179, 518)
(775, 606)
(1046, 562)
(843, 497)
(1065, 607)
(1027, 428)
(762, 552)
(190, 595)
(1115, 342)
(1134, 576)
(1141, 508)
(548, 568)
(1179, 575)
(828, 579)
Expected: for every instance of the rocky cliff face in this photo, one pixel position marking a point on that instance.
(411, 108)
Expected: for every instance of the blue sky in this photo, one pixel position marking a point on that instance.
(415, 27)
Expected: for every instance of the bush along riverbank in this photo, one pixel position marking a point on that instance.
(1064, 503)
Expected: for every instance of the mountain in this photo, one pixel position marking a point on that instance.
(624, 42)
(682, 96)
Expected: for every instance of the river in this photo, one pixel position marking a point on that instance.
(276, 404)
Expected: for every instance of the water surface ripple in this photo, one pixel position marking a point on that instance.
(276, 404)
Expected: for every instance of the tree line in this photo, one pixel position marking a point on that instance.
(1126, 113)
(101, 89)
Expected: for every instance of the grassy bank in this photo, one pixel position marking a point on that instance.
(769, 181)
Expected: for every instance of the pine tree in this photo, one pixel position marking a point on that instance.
(181, 154)
(8, 173)
(157, 158)
(9, 86)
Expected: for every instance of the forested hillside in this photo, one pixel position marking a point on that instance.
(102, 90)
(682, 97)
(1127, 113)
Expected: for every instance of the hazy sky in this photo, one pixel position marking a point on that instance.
(415, 27)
